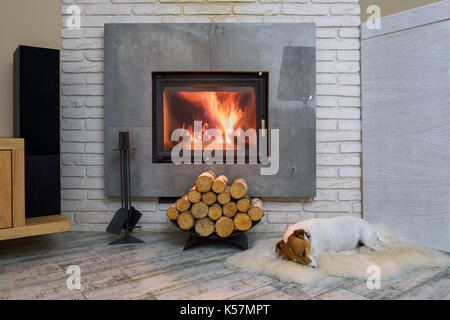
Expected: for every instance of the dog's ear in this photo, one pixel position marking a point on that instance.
(299, 233)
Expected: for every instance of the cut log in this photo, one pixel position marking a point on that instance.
(204, 181)
(172, 213)
(194, 196)
(242, 222)
(185, 221)
(224, 197)
(220, 184)
(229, 209)
(215, 211)
(224, 227)
(238, 188)
(183, 204)
(204, 227)
(256, 211)
(209, 198)
(199, 210)
(244, 204)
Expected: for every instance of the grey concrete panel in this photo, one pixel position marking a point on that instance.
(132, 52)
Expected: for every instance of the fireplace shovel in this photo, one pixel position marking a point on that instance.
(127, 216)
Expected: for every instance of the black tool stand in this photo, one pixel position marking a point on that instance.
(125, 149)
(238, 239)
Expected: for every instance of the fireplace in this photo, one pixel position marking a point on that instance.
(160, 77)
(232, 106)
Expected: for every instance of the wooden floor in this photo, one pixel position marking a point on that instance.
(34, 268)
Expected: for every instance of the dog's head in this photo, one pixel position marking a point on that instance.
(297, 248)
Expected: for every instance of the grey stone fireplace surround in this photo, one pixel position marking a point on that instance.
(286, 51)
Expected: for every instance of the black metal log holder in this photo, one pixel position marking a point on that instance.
(127, 216)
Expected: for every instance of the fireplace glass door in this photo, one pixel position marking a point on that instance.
(224, 108)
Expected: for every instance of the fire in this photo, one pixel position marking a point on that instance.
(220, 110)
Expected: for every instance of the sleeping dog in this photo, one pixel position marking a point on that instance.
(307, 239)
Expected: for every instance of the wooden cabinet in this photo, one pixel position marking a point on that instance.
(12, 197)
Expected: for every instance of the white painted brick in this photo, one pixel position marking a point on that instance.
(134, 1)
(349, 33)
(72, 124)
(337, 21)
(350, 148)
(341, 183)
(349, 9)
(257, 9)
(94, 78)
(83, 206)
(305, 9)
(323, 101)
(137, 19)
(326, 195)
(326, 78)
(91, 21)
(282, 206)
(82, 136)
(326, 172)
(348, 55)
(94, 55)
(354, 172)
(82, 160)
(69, 78)
(71, 33)
(326, 55)
(269, 227)
(82, 67)
(327, 33)
(288, 217)
(337, 67)
(95, 101)
(82, 90)
(72, 172)
(70, 56)
(191, 9)
(77, 44)
(338, 113)
(328, 206)
(237, 19)
(94, 32)
(357, 207)
(93, 172)
(349, 79)
(330, 160)
(72, 102)
(164, 9)
(326, 124)
(349, 125)
(329, 136)
(71, 147)
(82, 113)
(284, 1)
(349, 194)
(98, 148)
(73, 194)
(323, 89)
(107, 9)
(335, 1)
(81, 183)
(349, 102)
(94, 124)
(327, 148)
(187, 19)
(152, 217)
(183, 1)
(96, 195)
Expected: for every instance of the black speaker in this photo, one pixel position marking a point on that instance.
(37, 119)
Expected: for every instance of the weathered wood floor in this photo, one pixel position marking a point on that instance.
(34, 268)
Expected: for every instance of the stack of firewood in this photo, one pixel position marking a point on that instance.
(213, 206)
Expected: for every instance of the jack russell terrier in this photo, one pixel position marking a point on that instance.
(307, 239)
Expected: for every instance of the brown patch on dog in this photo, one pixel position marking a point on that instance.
(296, 249)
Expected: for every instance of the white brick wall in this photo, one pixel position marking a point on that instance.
(338, 103)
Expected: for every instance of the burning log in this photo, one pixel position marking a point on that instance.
(199, 210)
(256, 210)
(194, 196)
(185, 221)
(238, 188)
(215, 211)
(224, 197)
(183, 204)
(224, 227)
(242, 222)
(204, 181)
(209, 198)
(230, 209)
(172, 213)
(204, 227)
(220, 184)
(244, 204)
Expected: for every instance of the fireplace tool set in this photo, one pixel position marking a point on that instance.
(127, 216)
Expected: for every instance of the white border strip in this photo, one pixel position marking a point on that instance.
(409, 19)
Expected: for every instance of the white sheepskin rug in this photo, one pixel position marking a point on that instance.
(394, 259)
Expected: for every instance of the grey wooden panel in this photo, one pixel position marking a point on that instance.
(406, 132)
